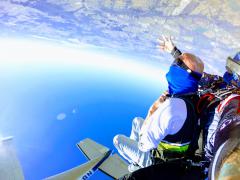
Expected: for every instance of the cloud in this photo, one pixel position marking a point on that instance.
(19, 1)
(30, 19)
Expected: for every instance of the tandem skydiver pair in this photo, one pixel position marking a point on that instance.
(169, 135)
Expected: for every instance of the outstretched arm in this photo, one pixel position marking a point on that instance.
(166, 44)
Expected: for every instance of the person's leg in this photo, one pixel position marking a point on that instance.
(211, 136)
(136, 126)
(128, 148)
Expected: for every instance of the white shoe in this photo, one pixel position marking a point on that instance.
(133, 167)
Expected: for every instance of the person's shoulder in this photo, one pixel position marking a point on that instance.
(175, 102)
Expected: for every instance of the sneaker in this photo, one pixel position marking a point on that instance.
(133, 167)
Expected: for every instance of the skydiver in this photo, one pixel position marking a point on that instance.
(221, 141)
(222, 122)
(231, 80)
(171, 122)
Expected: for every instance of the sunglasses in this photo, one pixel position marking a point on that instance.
(178, 62)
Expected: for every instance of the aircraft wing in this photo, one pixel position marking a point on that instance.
(114, 166)
(10, 167)
(91, 149)
(78, 172)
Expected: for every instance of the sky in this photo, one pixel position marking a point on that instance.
(55, 95)
(24, 56)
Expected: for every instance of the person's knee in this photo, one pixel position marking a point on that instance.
(116, 140)
(137, 121)
(119, 140)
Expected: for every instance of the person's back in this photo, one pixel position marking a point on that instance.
(186, 139)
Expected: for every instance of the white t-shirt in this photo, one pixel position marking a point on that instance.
(168, 119)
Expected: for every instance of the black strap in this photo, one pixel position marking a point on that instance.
(193, 146)
(181, 64)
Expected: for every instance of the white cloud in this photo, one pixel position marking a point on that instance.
(179, 9)
(68, 5)
(20, 1)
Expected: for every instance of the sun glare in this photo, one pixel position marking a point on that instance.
(25, 52)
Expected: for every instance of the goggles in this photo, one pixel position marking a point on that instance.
(178, 62)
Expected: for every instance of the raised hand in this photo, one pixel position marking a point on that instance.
(166, 44)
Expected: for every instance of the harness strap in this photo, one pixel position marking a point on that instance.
(222, 105)
(204, 101)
